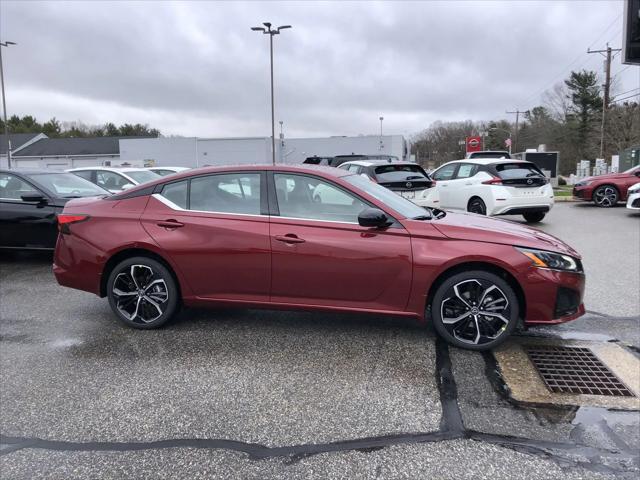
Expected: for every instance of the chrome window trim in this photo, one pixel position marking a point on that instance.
(178, 208)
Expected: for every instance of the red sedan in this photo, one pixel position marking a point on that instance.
(259, 236)
(607, 190)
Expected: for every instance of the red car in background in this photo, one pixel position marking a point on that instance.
(259, 236)
(607, 190)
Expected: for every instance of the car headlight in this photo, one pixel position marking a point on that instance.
(584, 184)
(552, 260)
(635, 188)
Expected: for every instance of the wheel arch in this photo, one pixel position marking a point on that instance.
(126, 253)
(478, 265)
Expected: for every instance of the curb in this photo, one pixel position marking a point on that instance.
(565, 198)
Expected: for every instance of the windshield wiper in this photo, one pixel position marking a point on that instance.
(72, 196)
(422, 217)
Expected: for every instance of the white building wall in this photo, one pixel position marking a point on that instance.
(192, 152)
(169, 151)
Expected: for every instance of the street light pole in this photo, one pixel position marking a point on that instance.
(271, 32)
(381, 145)
(4, 105)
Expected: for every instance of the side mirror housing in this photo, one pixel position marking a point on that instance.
(373, 218)
(33, 198)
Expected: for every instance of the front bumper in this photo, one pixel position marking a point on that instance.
(633, 202)
(583, 193)
(552, 296)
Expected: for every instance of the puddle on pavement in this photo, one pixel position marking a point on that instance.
(64, 343)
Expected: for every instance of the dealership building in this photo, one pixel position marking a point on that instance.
(38, 151)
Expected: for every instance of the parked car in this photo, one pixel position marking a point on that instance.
(115, 179)
(215, 237)
(164, 171)
(315, 160)
(30, 201)
(489, 154)
(489, 186)
(407, 179)
(606, 190)
(633, 197)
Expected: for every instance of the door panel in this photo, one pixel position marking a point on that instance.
(323, 257)
(340, 265)
(221, 255)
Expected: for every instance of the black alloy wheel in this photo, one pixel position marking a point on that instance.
(142, 293)
(476, 205)
(476, 310)
(605, 196)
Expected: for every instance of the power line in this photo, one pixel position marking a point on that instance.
(564, 70)
(625, 98)
(628, 91)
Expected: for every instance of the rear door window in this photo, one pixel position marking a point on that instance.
(226, 193)
(467, 170)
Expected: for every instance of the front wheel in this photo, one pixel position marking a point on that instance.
(142, 293)
(533, 217)
(476, 310)
(605, 196)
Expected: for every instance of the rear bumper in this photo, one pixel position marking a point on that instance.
(75, 265)
(552, 296)
(523, 210)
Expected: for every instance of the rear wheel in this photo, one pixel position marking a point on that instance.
(605, 196)
(476, 205)
(142, 293)
(533, 217)
(475, 310)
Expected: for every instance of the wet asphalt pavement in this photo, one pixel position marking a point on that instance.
(261, 394)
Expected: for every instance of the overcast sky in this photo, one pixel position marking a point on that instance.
(197, 69)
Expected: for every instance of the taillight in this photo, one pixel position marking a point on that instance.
(493, 181)
(66, 219)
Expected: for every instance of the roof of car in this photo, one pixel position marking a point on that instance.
(110, 169)
(487, 161)
(370, 163)
(31, 171)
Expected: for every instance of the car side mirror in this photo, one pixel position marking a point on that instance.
(637, 173)
(34, 198)
(373, 218)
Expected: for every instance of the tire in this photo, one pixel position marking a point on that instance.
(150, 300)
(533, 217)
(606, 196)
(476, 205)
(455, 299)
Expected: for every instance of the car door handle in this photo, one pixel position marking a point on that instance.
(170, 223)
(289, 238)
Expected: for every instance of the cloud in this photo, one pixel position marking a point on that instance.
(198, 69)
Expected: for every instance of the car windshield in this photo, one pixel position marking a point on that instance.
(142, 176)
(401, 205)
(399, 173)
(508, 171)
(67, 185)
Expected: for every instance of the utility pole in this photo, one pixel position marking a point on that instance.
(381, 144)
(609, 53)
(271, 32)
(515, 136)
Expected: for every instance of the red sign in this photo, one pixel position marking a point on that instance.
(474, 144)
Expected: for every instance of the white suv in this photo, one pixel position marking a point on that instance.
(115, 179)
(490, 186)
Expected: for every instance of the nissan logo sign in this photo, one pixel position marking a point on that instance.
(529, 181)
(474, 142)
(408, 185)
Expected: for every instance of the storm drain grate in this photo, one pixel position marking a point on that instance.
(576, 370)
